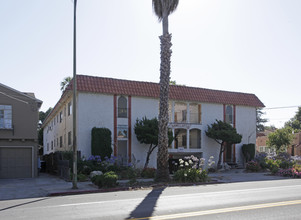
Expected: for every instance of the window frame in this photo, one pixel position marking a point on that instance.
(6, 121)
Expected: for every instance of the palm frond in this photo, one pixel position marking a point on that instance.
(161, 6)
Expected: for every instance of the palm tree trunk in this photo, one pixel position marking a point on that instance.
(162, 157)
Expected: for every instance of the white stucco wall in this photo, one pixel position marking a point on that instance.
(246, 126)
(210, 113)
(94, 110)
(149, 108)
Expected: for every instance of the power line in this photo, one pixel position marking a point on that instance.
(296, 106)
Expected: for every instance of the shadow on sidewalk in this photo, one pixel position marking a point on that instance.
(147, 206)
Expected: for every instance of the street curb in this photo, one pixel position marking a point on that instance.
(154, 186)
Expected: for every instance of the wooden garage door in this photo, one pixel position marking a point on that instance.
(15, 162)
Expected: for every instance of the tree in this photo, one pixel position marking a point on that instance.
(42, 117)
(224, 134)
(163, 8)
(295, 122)
(147, 131)
(280, 139)
(259, 120)
(65, 83)
(101, 142)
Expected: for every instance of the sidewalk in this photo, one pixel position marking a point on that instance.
(239, 175)
(46, 184)
(41, 186)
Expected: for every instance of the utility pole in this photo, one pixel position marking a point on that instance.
(74, 180)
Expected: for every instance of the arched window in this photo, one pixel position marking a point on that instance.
(229, 114)
(122, 107)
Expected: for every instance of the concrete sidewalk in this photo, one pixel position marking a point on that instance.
(41, 186)
(46, 184)
(240, 175)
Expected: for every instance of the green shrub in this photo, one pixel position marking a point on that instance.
(297, 167)
(148, 173)
(128, 173)
(285, 164)
(274, 170)
(273, 164)
(253, 166)
(109, 179)
(81, 177)
(248, 151)
(101, 142)
(190, 175)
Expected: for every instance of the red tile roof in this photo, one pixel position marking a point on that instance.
(148, 89)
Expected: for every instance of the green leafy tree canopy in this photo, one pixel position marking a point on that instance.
(147, 132)
(224, 134)
(295, 122)
(280, 139)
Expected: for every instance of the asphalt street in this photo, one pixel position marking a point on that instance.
(271, 199)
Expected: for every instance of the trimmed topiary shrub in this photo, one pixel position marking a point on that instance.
(108, 180)
(148, 173)
(248, 151)
(101, 142)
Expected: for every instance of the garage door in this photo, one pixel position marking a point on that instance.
(15, 162)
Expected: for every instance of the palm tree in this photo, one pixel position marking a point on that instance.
(65, 83)
(163, 8)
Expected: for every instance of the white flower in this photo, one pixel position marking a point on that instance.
(190, 162)
(186, 164)
(185, 174)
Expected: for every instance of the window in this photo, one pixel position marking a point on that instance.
(180, 114)
(51, 145)
(122, 131)
(69, 138)
(195, 113)
(61, 116)
(229, 114)
(122, 107)
(195, 139)
(5, 116)
(61, 141)
(47, 146)
(180, 138)
(69, 108)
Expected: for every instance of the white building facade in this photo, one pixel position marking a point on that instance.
(117, 104)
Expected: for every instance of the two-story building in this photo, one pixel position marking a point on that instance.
(19, 115)
(116, 104)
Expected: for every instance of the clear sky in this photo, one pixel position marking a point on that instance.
(250, 46)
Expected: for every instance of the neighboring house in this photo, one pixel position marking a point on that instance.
(261, 142)
(116, 104)
(19, 114)
(295, 148)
